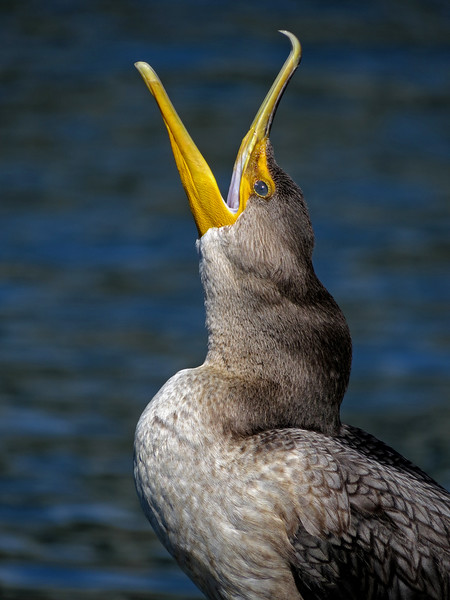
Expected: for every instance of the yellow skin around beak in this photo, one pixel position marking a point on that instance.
(207, 205)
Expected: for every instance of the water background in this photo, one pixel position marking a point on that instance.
(100, 300)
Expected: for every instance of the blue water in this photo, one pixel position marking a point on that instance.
(100, 300)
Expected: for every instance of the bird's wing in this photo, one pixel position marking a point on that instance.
(368, 528)
(299, 464)
(370, 446)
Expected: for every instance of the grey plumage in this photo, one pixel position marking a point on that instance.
(242, 465)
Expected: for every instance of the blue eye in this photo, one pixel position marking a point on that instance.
(261, 188)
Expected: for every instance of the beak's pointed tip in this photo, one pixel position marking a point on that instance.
(146, 71)
(296, 46)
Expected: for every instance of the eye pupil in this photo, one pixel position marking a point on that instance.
(261, 188)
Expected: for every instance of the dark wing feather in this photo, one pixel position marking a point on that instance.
(397, 543)
(368, 445)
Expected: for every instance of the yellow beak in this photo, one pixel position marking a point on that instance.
(207, 205)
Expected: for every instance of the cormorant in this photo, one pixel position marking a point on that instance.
(242, 465)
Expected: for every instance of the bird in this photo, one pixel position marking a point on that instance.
(242, 465)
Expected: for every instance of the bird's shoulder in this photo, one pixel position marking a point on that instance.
(364, 514)
(354, 471)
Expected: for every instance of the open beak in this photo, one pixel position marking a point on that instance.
(207, 205)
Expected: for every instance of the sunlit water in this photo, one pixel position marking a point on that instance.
(100, 300)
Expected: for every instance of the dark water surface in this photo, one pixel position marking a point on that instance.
(100, 300)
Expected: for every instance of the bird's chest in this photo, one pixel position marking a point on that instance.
(170, 472)
(182, 481)
(204, 501)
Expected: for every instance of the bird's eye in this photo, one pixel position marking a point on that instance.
(261, 188)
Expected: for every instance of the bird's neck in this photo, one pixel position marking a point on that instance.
(287, 357)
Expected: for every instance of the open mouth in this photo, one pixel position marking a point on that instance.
(206, 202)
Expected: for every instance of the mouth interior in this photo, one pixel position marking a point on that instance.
(233, 192)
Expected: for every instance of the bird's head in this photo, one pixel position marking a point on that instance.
(253, 175)
(264, 207)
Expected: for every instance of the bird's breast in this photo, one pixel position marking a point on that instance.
(205, 494)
